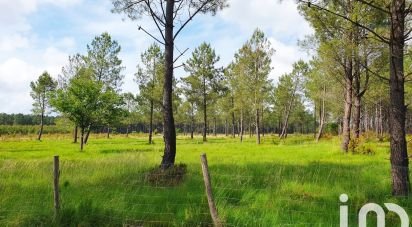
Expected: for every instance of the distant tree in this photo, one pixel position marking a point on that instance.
(168, 15)
(288, 93)
(80, 100)
(111, 110)
(130, 106)
(203, 82)
(102, 58)
(76, 62)
(316, 86)
(254, 58)
(188, 109)
(230, 95)
(150, 80)
(40, 92)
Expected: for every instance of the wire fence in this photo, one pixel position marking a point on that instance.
(129, 195)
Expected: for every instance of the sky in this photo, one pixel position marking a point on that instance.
(39, 35)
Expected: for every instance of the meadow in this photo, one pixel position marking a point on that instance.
(296, 182)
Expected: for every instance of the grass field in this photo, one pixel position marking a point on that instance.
(291, 183)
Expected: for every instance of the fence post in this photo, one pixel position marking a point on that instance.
(56, 175)
(208, 188)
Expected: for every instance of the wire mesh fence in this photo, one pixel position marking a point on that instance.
(127, 194)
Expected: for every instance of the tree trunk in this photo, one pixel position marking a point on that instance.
(233, 120)
(75, 134)
(249, 127)
(348, 104)
(151, 122)
(241, 126)
(169, 130)
(262, 122)
(214, 126)
(204, 111)
(399, 155)
(108, 132)
(322, 116)
(380, 120)
(86, 139)
(81, 138)
(191, 129)
(41, 125)
(127, 130)
(284, 131)
(314, 120)
(357, 100)
(257, 126)
(226, 127)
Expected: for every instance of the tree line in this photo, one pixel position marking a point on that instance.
(25, 119)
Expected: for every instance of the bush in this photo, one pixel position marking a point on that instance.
(360, 146)
(332, 128)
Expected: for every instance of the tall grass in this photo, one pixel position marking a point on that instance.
(294, 182)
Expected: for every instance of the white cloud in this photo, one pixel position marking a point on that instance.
(284, 57)
(279, 18)
(25, 53)
(16, 75)
(13, 42)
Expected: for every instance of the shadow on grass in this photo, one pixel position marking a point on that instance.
(111, 151)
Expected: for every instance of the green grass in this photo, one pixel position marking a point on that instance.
(291, 183)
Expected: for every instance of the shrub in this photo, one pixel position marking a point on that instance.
(360, 146)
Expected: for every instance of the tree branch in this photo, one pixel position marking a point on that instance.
(155, 19)
(373, 6)
(374, 73)
(181, 54)
(381, 38)
(190, 18)
(140, 28)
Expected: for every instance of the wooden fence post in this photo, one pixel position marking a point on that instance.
(208, 188)
(56, 175)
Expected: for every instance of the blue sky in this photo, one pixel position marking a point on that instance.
(39, 35)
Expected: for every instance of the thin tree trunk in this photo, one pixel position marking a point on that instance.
(108, 132)
(348, 105)
(322, 116)
(262, 123)
(257, 126)
(241, 126)
(226, 127)
(380, 119)
(284, 131)
(86, 139)
(81, 138)
(41, 125)
(357, 100)
(151, 122)
(250, 126)
(399, 156)
(76, 128)
(169, 130)
(204, 111)
(214, 126)
(127, 130)
(314, 120)
(233, 119)
(191, 128)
